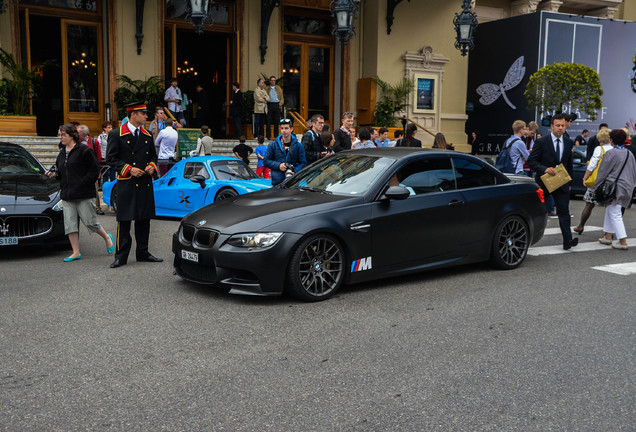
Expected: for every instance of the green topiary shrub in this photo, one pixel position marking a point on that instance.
(560, 85)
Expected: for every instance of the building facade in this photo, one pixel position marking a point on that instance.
(95, 41)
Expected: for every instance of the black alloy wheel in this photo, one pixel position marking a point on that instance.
(225, 193)
(316, 269)
(510, 243)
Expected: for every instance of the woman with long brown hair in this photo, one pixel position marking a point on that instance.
(440, 142)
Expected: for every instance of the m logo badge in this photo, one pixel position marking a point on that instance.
(361, 264)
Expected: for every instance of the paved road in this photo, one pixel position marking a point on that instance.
(549, 346)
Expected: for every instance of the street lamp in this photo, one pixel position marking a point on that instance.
(465, 26)
(199, 14)
(345, 12)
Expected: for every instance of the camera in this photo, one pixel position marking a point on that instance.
(54, 169)
(289, 170)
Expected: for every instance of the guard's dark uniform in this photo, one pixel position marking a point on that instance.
(134, 195)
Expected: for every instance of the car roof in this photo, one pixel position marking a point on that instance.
(211, 158)
(402, 152)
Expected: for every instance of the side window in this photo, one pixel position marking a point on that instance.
(470, 174)
(426, 175)
(195, 168)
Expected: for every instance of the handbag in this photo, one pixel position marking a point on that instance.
(606, 191)
(592, 178)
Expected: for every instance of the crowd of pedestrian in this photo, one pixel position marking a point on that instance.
(528, 153)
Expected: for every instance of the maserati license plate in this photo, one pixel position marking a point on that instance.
(8, 241)
(190, 256)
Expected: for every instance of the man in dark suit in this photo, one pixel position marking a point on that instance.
(547, 153)
(131, 152)
(236, 110)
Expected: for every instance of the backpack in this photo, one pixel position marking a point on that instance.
(504, 162)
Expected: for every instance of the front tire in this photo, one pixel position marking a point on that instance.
(510, 243)
(316, 269)
(224, 194)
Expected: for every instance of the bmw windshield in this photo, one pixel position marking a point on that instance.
(341, 174)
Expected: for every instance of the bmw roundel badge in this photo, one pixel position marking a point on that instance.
(3, 210)
(202, 222)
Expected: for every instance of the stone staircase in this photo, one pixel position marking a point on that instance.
(45, 149)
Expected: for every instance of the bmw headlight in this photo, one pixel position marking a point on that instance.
(261, 240)
(58, 206)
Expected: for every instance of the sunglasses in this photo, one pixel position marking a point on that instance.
(285, 121)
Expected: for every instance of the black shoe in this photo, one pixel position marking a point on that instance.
(150, 258)
(100, 212)
(117, 263)
(571, 244)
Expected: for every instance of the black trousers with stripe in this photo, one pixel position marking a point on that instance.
(124, 240)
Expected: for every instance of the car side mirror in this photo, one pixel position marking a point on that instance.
(397, 193)
(198, 179)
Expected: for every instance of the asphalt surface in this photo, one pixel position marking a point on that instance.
(550, 346)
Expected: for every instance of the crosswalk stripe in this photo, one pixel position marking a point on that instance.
(582, 247)
(623, 269)
(557, 230)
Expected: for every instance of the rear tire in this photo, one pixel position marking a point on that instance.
(510, 243)
(316, 269)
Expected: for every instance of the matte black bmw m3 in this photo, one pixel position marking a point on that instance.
(361, 215)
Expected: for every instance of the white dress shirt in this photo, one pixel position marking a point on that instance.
(554, 143)
(167, 142)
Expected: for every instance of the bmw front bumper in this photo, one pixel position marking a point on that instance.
(248, 271)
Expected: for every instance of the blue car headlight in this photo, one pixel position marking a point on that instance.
(260, 240)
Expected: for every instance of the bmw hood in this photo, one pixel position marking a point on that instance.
(261, 209)
(18, 190)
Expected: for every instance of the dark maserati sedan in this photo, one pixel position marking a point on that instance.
(30, 211)
(361, 215)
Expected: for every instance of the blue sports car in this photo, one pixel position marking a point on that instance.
(196, 182)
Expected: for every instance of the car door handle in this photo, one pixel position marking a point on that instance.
(359, 226)
(456, 203)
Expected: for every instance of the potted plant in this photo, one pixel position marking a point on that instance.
(19, 87)
(394, 99)
(150, 90)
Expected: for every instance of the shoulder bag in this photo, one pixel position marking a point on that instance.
(592, 178)
(606, 191)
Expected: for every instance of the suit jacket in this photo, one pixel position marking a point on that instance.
(236, 110)
(543, 156)
(135, 196)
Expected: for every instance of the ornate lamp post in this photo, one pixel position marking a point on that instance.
(199, 14)
(345, 12)
(465, 26)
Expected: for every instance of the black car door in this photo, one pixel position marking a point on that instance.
(425, 227)
(482, 201)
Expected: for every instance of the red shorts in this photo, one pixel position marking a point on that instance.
(262, 172)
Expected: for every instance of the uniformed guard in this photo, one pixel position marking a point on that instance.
(131, 153)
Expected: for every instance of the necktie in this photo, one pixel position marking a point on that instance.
(136, 134)
(558, 150)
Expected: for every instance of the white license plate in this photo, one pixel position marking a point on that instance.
(190, 256)
(8, 241)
